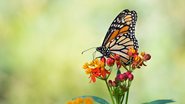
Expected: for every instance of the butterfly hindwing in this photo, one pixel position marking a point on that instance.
(121, 46)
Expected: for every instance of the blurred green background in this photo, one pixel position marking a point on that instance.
(41, 43)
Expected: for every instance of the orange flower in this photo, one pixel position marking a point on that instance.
(131, 52)
(142, 54)
(88, 101)
(88, 70)
(138, 59)
(85, 66)
(78, 101)
(81, 101)
(96, 69)
(70, 102)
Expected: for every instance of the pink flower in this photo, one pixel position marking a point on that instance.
(121, 77)
(129, 75)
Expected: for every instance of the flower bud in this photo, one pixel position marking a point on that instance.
(118, 63)
(120, 77)
(146, 57)
(125, 76)
(114, 83)
(116, 57)
(103, 59)
(110, 82)
(129, 53)
(110, 62)
(130, 75)
(137, 58)
(142, 53)
(134, 64)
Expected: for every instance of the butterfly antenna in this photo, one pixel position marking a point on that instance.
(87, 50)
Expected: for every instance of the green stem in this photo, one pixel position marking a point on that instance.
(130, 68)
(110, 72)
(127, 97)
(122, 99)
(109, 92)
(117, 99)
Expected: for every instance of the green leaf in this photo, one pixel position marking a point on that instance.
(162, 101)
(96, 99)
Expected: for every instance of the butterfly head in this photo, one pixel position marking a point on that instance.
(104, 51)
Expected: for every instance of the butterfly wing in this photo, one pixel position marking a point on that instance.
(121, 35)
(120, 46)
(123, 23)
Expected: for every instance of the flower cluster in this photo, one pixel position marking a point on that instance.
(115, 59)
(123, 77)
(121, 83)
(101, 68)
(138, 59)
(81, 101)
(96, 69)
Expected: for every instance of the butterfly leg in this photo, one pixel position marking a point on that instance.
(124, 65)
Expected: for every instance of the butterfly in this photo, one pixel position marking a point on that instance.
(120, 37)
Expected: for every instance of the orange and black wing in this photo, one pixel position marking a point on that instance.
(121, 35)
(124, 23)
(120, 46)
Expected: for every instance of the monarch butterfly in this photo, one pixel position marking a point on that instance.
(120, 36)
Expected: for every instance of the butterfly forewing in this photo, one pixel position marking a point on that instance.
(123, 23)
(121, 35)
